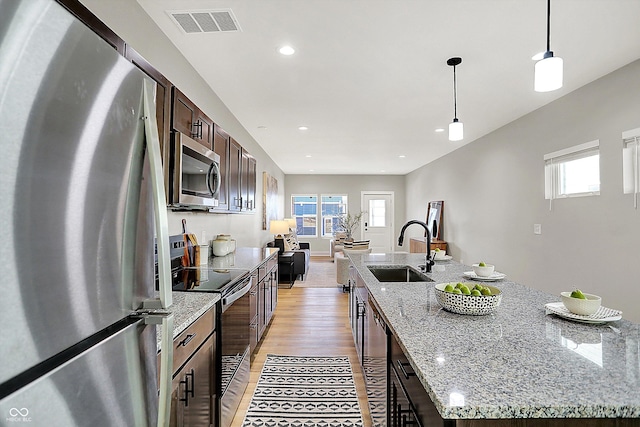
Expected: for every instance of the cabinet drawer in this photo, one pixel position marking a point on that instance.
(191, 338)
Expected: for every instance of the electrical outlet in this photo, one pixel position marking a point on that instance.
(537, 228)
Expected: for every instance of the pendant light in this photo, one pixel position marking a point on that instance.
(456, 130)
(548, 70)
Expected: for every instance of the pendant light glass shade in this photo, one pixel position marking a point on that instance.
(456, 130)
(548, 74)
(548, 70)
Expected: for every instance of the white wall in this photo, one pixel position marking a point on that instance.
(351, 185)
(494, 192)
(127, 19)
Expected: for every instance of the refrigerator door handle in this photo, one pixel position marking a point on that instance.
(166, 363)
(160, 202)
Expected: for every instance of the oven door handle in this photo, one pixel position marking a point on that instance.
(230, 299)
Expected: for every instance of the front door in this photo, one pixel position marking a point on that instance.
(377, 224)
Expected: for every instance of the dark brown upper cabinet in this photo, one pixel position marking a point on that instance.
(235, 168)
(78, 10)
(189, 120)
(221, 142)
(248, 181)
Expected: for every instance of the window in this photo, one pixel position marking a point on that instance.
(333, 206)
(630, 163)
(572, 172)
(377, 213)
(304, 209)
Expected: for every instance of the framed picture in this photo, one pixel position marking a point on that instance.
(270, 199)
(434, 219)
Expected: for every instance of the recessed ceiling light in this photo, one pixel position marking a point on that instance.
(310, 170)
(262, 127)
(287, 50)
(382, 171)
(308, 155)
(303, 128)
(402, 156)
(440, 130)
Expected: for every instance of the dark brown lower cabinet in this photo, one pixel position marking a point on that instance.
(192, 397)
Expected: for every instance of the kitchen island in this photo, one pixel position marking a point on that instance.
(518, 363)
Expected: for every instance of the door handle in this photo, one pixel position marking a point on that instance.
(188, 391)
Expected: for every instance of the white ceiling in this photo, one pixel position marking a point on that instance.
(369, 77)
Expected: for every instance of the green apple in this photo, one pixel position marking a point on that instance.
(479, 287)
(482, 264)
(456, 291)
(486, 291)
(578, 294)
(449, 288)
(475, 293)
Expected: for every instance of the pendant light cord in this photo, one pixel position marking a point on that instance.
(455, 95)
(548, 26)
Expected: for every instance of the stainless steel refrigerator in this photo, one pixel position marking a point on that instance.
(81, 201)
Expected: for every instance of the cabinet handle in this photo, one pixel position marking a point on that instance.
(360, 310)
(196, 129)
(404, 372)
(188, 338)
(188, 391)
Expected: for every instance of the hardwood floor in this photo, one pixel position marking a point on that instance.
(307, 322)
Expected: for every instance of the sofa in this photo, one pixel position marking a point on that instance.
(301, 258)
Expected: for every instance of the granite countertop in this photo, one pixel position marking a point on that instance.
(515, 363)
(189, 306)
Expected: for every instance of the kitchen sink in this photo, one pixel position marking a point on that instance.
(398, 274)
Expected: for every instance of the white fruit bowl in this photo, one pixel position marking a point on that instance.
(485, 271)
(468, 304)
(439, 254)
(583, 307)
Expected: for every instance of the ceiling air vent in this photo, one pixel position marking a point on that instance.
(205, 21)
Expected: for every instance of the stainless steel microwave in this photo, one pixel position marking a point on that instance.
(194, 181)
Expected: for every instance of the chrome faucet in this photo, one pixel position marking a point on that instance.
(428, 262)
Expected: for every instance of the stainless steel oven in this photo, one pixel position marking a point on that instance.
(194, 180)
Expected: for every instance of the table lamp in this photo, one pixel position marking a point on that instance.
(279, 228)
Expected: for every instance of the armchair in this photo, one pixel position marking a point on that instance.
(301, 258)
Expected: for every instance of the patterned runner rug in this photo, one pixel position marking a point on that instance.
(305, 391)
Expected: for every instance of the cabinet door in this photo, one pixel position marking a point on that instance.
(183, 114)
(244, 180)
(203, 131)
(193, 396)
(274, 290)
(251, 184)
(221, 141)
(235, 166)
(253, 313)
(261, 309)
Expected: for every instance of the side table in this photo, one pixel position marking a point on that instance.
(285, 263)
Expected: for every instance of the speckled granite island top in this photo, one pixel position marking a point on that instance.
(515, 363)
